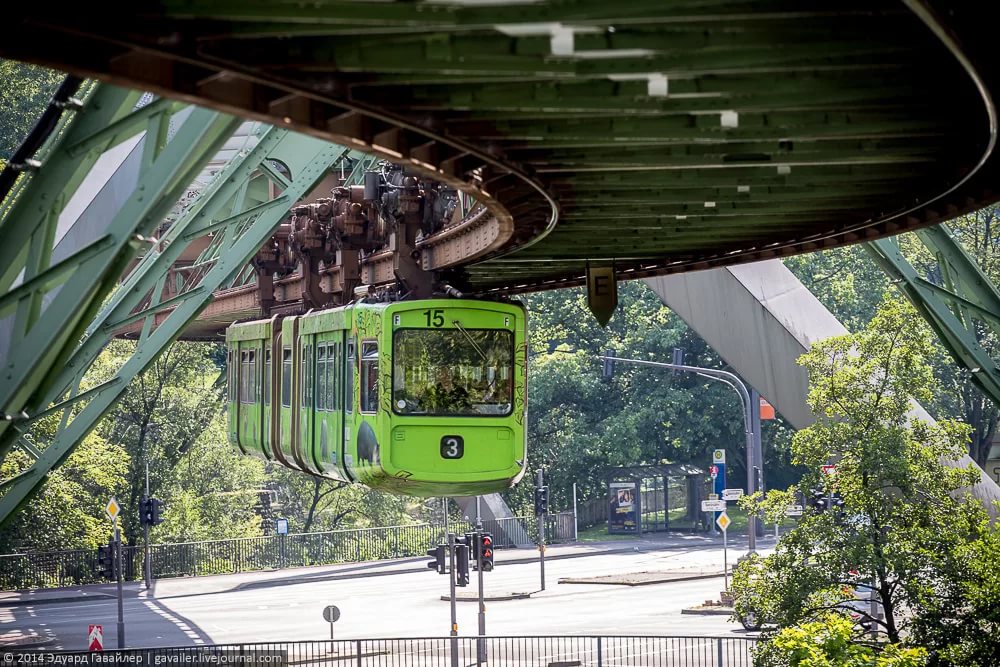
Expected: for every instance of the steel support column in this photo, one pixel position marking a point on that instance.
(964, 301)
(249, 223)
(73, 282)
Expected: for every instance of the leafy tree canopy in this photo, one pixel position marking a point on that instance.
(904, 515)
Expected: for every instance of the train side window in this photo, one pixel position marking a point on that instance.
(369, 376)
(331, 376)
(286, 377)
(243, 376)
(267, 377)
(252, 384)
(349, 378)
(321, 377)
(307, 376)
(230, 375)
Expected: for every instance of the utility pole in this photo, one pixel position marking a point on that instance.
(478, 546)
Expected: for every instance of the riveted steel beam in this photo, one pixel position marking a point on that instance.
(72, 283)
(141, 298)
(965, 302)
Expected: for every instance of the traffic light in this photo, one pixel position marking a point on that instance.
(150, 511)
(155, 511)
(461, 564)
(608, 372)
(541, 500)
(438, 553)
(106, 561)
(818, 499)
(486, 550)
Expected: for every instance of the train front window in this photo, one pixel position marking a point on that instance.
(453, 372)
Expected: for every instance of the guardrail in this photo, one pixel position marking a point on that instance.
(533, 651)
(70, 568)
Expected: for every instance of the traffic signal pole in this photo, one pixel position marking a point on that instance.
(453, 571)
(541, 533)
(481, 643)
(147, 568)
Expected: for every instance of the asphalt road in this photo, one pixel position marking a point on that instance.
(399, 605)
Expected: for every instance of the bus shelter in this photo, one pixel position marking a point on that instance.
(650, 498)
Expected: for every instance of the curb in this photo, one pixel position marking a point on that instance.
(664, 580)
(54, 600)
(709, 611)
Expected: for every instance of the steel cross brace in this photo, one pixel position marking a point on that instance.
(307, 159)
(952, 310)
(73, 287)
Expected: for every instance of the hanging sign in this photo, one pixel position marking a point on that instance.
(602, 292)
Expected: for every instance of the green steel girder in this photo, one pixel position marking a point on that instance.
(953, 310)
(138, 298)
(74, 286)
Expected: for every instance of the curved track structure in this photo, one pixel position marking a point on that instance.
(657, 137)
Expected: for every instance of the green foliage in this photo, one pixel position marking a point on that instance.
(579, 426)
(25, 91)
(901, 523)
(68, 513)
(829, 642)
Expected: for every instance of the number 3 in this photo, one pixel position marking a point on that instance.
(452, 448)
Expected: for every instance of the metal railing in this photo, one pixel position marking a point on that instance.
(544, 651)
(70, 568)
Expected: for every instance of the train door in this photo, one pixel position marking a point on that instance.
(350, 363)
(287, 447)
(307, 375)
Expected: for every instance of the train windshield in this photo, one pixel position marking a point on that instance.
(453, 372)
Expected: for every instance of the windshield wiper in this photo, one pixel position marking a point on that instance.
(469, 337)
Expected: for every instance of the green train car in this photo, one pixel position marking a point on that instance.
(422, 398)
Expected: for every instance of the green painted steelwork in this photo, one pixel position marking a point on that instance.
(138, 300)
(74, 286)
(960, 305)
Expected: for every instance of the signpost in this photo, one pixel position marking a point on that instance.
(113, 509)
(723, 522)
(719, 479)
(95, 638)
(732, 494)
(713, 506)
(331, 614)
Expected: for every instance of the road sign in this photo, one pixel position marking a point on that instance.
(713, 506)
(723, 521)
(719, 456)
(281, 526)
(95, 638)
(713, 496)
(731, 494)
(829, 469)
(713, 471)
(794, 510)
(113, 509)
(331, 614)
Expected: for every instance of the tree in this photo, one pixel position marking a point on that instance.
(579, 426)
(26, 91)
(902, 518)
(828, 642)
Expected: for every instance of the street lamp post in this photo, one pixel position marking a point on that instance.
(740, 388)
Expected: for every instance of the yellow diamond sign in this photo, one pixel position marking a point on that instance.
(113, 508)
(723, 521)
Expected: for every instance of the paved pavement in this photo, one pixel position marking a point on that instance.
(392, 598)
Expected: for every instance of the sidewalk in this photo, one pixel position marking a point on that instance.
(208, 585)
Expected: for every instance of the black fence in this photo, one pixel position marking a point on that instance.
(582, 651)
(72, 568)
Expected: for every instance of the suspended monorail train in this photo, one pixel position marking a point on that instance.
(422, 398)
